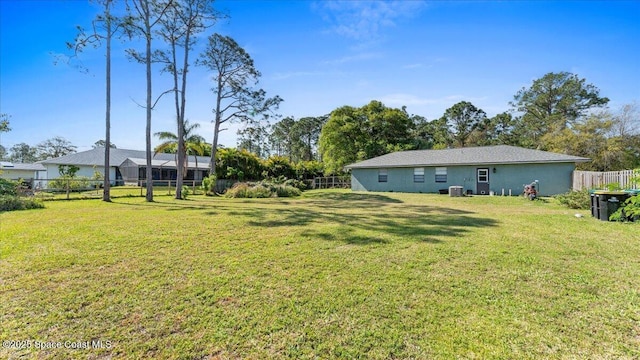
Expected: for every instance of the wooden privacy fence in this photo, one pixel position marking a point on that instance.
(595, 179)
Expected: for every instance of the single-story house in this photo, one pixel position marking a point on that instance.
(17, 171)
(126, 165)
(479, 170)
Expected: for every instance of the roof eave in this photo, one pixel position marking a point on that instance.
(581, 160)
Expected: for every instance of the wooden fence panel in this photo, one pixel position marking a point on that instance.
(595, 179)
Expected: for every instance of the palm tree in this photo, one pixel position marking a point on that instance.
(194, 144)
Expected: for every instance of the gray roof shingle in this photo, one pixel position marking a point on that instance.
(21, 166)
(116, 157)
(499, 154)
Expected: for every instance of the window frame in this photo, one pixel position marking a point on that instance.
(418, 175)
(441, 174)
(485, 175)
(383, 175)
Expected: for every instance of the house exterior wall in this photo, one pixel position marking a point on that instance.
(85, 170)
(553, 178)
(12, 174)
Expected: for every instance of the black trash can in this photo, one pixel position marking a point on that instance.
(603, 205)
(613, 204)
(595, 206)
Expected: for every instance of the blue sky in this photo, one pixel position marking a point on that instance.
(319, 55)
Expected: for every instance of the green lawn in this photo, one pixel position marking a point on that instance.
(333, 274)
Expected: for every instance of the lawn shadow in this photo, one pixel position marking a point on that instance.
(349, 200)
(364, 219)
(178, 205)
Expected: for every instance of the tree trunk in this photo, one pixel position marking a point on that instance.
(180, 171)
(214, 148)
(106, 195)
(149, 170)
(216, 127)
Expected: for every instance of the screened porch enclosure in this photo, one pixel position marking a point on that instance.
(134, 170)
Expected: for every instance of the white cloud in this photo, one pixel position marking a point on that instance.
(413, 66)
(293, 74)
(354, 58)
(363, 20)
(432, 107)
(400, 99)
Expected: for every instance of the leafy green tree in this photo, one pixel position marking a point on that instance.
(4, 123)
(4, 127)
(433, 134)
(234, 75)
(626, 134)
(462, 120)
(551, 104)
(306, 170)
(192, 144)
(238, 164)
(253, 138)
(388, 130)
(66, 179)
(282, 137)
(305, 136)
(498, 130)
(354, 134)
(279, 166)
(297, 139)
(54, 148)
(23, 153)
(102, 143)
(342, 139)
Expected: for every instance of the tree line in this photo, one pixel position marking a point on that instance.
(560, 112)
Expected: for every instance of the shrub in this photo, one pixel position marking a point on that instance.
(11, 203)
(277, 166)
(186, 191)
(629, 210)
(287, 191)
(575, 199)
(299, 184)
(8, 187)
(76, 183)
(209, 184)
(261, 190)
(238, 190)
(245, 190)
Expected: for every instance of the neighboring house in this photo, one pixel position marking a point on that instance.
(126, 165)
(479, 170)
(26, 172)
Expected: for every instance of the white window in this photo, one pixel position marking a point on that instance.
(382, 175)
(441, 174)
(418, 175)
(483, 175)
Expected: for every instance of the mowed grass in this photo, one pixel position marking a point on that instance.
(333, 274)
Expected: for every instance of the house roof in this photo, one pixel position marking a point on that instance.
(116, 158)
(4, 165)
(499, 154)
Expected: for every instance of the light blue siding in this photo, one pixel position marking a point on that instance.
(553, 178)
